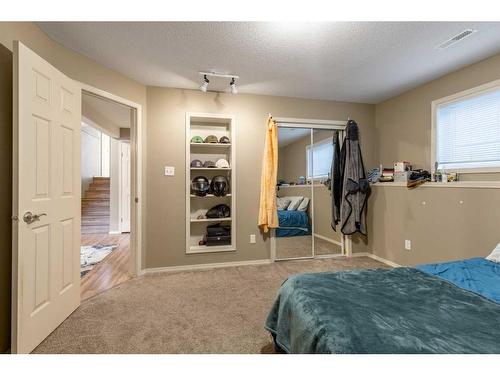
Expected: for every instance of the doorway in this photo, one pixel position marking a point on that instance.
(46, 201)
(305, 150)
(105, 253)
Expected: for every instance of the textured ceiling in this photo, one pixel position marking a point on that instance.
(357, 62)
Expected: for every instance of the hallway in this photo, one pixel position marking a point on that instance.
(113, 270)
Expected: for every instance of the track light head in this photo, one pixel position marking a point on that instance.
(232, 86)
(204, 85)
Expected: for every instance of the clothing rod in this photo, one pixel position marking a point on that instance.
(302, 121)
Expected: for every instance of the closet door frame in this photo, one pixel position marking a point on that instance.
(312, 124)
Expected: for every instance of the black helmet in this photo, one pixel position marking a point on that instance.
(200, 186)
(209, 164)
(224, 139)
(219, 186)
(219, 211)
(196, 164)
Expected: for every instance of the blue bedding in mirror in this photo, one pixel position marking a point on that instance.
(293, 223)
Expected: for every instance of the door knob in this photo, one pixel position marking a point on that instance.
(30, 217)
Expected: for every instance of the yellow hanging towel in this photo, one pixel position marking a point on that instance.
(268, 213)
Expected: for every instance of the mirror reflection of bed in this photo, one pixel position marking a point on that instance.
(304, 162)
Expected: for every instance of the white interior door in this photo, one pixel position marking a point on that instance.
(46, 249)
(125, 187)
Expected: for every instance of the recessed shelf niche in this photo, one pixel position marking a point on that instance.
(203, 125)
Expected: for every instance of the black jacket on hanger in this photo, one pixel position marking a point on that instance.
(336, 181)
(354, 184)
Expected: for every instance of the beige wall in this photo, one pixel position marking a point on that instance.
(166, 146)
(292, 160)
(442, 229)
(5, 194)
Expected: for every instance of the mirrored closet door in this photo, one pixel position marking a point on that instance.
(303, 194)
(325, 240)
(293, 239)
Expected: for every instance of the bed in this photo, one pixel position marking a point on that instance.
(449, 307)
(293, 223)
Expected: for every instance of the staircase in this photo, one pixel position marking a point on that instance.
(95, 207)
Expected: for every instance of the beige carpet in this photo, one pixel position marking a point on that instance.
(301, 246)
(213, 311)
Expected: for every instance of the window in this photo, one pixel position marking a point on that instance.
(467, 131)
(319, 159)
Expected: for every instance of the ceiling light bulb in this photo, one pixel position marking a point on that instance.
(204, 85)
(232, 85)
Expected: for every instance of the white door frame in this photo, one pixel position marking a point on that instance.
(120, 187)
(136, 194)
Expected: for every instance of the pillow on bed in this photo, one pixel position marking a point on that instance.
(495, 254)
(303, 205)
(294, 203)
(283, 203)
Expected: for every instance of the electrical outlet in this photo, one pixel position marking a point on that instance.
(252, 238)
(169, 171)
(407, 244)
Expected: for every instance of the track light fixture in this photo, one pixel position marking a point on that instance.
(204, 85)
(232, 86)
(232, 83)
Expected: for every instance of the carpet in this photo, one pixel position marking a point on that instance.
(206, 311)
(90, 256)
(301, 246)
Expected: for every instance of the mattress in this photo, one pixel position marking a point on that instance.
(400, 310)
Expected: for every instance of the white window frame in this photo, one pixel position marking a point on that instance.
(462, 95)
(310, 147)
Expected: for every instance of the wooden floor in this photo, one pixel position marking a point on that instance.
(113, 270)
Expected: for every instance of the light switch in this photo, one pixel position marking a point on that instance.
(252, 238)
(169, 171)
(407, 244)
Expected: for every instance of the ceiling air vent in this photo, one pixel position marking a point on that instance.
(457, 38)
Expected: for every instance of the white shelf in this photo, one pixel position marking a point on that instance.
(299, 186)
(220, 145)
(209, 196)
(203, 125)
(210, 220)
(456, 184)
(210, 169)
(209, 249)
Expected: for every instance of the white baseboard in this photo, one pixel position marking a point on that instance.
(114, 232)
(376, 257)
(329, 256)
(327, 239)
(205, 266)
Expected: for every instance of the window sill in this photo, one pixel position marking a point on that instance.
(458, 184)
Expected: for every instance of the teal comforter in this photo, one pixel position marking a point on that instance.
(400, 310)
